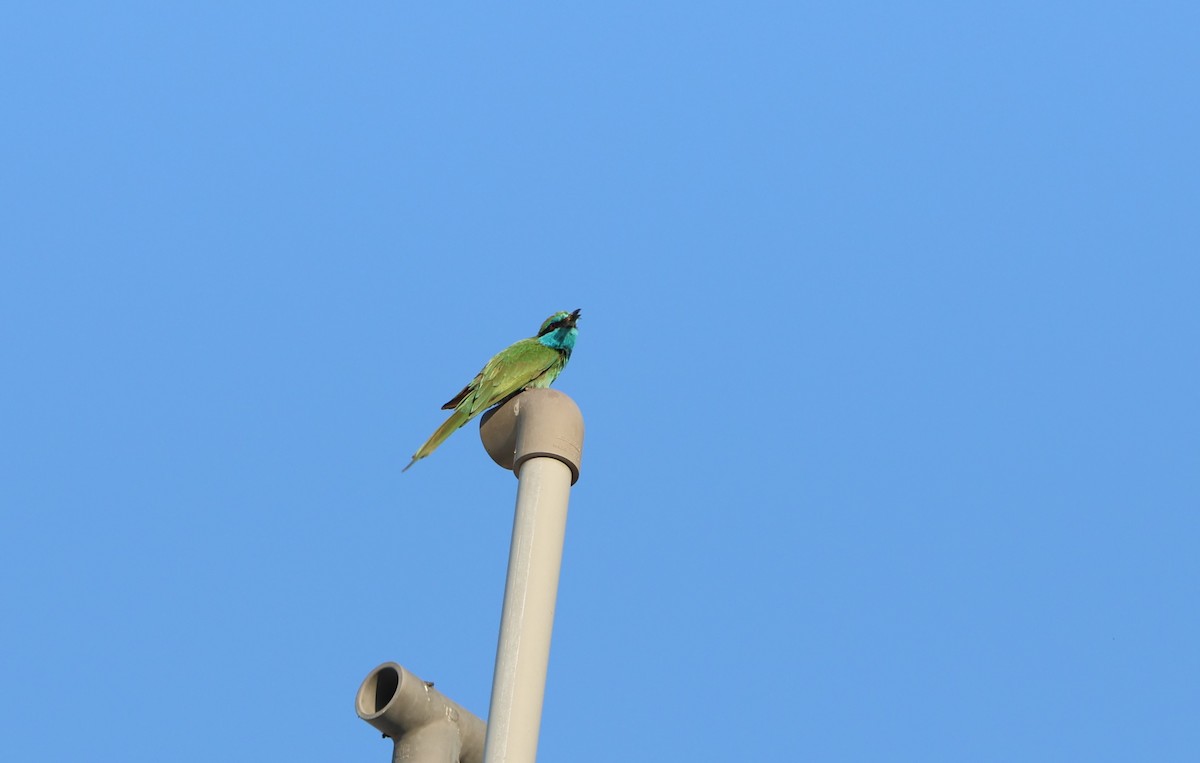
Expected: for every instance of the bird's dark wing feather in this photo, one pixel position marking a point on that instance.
(454, 401)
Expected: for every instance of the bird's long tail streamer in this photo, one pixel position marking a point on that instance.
(456, 420)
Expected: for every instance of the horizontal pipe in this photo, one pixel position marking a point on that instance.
(425, 726)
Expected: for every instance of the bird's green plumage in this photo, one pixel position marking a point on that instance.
(528, 364)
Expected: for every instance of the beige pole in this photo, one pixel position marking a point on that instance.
(539, 435)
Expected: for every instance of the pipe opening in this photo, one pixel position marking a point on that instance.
(387, 682)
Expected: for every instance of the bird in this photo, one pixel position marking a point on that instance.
(528, 364)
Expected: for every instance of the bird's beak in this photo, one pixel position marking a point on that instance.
(574, 317)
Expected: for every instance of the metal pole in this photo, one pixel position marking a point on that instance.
(539, 435)
(525, 626)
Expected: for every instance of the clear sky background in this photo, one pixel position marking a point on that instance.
(888, 359)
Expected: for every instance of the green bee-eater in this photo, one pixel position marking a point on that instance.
(530, 363)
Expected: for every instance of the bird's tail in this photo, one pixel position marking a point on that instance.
(456, 420)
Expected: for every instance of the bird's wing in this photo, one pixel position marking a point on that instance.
(511, 370)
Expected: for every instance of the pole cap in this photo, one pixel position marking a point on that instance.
(538, 423)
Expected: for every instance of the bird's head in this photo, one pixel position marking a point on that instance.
(560, 320)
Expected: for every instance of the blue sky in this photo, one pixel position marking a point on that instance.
(887, 358)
